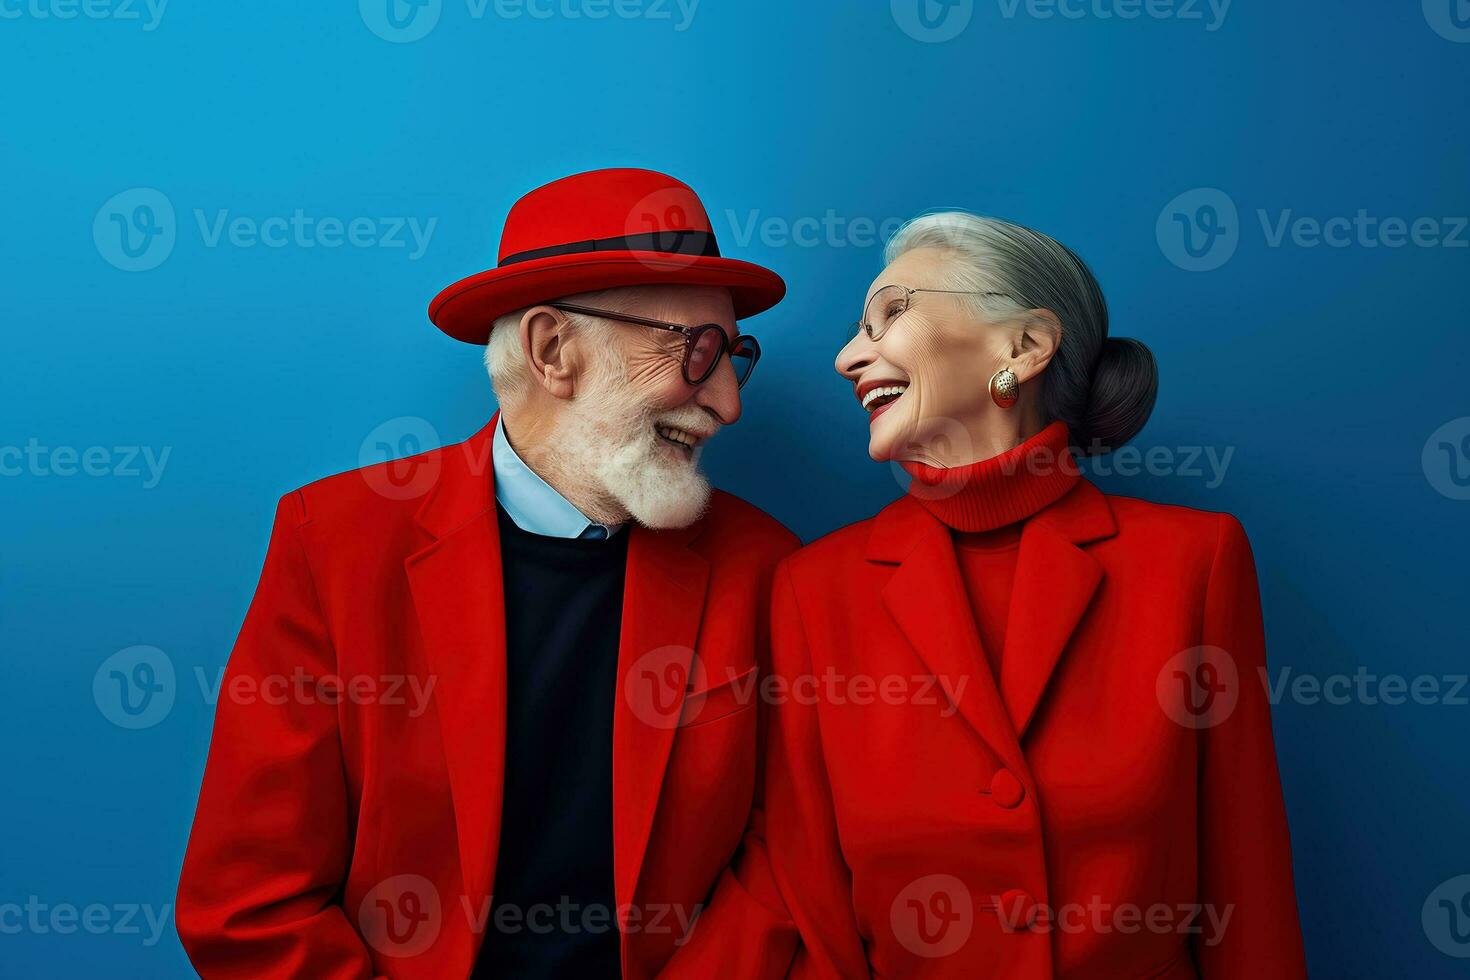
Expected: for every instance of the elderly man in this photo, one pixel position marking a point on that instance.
(581, 612)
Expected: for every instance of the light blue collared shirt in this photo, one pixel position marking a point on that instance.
(533, 503)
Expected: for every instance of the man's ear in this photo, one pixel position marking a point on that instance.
(1036, 344)
(544, 335)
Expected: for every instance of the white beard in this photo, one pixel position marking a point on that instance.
(607, 435)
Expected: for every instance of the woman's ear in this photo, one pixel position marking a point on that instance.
(1036, 344)
(544, 335)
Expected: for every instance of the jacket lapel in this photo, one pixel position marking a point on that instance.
(459, 600)
(663, 603)
(1054, 584)
(927, 599)
(1055, 581)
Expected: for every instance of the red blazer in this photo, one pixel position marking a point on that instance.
(353, 832)
(1084, 818)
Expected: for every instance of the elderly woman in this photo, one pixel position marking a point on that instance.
(1023, 733)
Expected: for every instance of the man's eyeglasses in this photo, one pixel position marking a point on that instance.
(703, 344)
(891, 302)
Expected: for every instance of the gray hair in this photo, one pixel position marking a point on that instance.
(504, 360)
(1102, 387)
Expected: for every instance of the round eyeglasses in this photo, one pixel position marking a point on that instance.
(891, 302)
(703, 344)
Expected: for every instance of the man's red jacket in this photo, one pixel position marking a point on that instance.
(348, 821)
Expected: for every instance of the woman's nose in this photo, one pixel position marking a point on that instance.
(855, 356)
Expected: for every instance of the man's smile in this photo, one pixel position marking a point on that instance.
(682, 441)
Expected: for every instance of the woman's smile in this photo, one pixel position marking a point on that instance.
(878, 395)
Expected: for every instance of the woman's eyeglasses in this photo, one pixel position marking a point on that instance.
(891, 302)
(703, 344)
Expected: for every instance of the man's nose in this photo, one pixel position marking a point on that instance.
(720, 394)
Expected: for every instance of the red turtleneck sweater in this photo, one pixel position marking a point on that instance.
(985, 505)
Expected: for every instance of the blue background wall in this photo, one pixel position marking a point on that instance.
(1335, 375)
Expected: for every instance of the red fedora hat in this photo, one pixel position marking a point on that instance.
(594, 231)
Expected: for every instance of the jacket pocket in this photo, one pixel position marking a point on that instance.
(719, 701)
(1181, 967)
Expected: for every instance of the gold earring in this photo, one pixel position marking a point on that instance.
(1005, 390)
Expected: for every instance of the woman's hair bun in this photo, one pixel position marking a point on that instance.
(1125, 383)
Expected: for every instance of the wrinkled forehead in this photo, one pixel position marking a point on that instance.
(919, 268)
